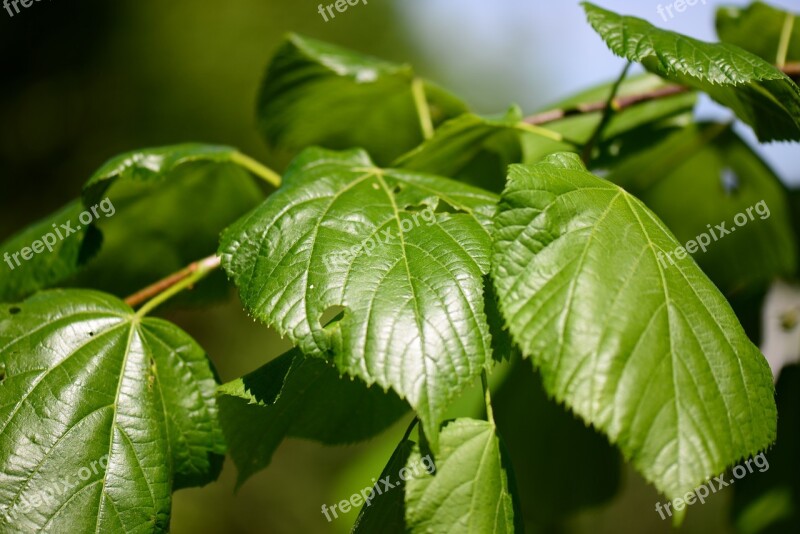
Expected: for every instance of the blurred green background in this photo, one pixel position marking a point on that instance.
(85, 80)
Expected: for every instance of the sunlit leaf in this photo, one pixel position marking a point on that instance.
(652, 355)
(112, 409)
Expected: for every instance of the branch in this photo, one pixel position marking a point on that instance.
(792, 70)
(620, 103)
(160, 291)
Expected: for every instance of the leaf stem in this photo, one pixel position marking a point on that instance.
(543, 132)
(423, 110)
(487, 397)
(260, 170)
(783, 44)
(166, 288)
(608, 111)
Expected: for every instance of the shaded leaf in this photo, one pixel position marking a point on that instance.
(768, 500)
(651, 355)
(65, 245)
(561, 465)
(385, 512)
(758, 29)
(171, 204)
(87, 382)
(299, 397)
(315, 93)
(462, 143)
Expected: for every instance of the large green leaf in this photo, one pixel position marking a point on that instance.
(171, 205)
(651, 354)
(469, 491)
(717, 176)
(299, 397)
(758, 28)
(319, 94)
(382, 244)
(64, 245)
(86, 382)
(760, 94)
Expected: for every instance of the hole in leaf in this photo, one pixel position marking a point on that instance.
(444, 207)
(332, 312)
(14, 310)
(418, 207)
(91, 334)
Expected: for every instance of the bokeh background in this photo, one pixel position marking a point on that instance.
(83, 80)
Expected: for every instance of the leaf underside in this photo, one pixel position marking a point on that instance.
(296, 396)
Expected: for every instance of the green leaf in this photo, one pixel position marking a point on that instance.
(650, 354)
(319, 94)
(717, 176)
(299, 397)
(760, 94)
(469, 491)
(758, 28)
(459, 144)
(554, 480)
(85, 380)
(171, 204)
(380, 243)
(64, 243)
(153, 165)
(385, 512)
